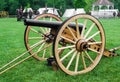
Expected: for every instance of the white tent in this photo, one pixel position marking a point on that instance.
(72, 12)
(69, 12)
(48, 10)
(41, 10)
(80, 11)
(53, 11)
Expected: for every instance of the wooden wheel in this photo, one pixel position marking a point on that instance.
(40, 35)
(84, 46)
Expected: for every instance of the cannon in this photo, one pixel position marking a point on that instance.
(76, 44)
(47, 24)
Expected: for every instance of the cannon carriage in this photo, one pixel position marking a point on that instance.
(76, 44)
(70, 47)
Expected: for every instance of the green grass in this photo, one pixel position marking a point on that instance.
(12, 45)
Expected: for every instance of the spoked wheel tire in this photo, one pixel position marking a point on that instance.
(84, 45)
(34, 36)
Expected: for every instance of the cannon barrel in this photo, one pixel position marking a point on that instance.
(48, 24)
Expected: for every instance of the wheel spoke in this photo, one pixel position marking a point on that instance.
(83, 29)
(67, 39)
(91, 27)
(41, 46)
(71, 60)
(34, 30)
(66, 47)
(44, 48)
(43, 18)
(35, 38)
(46, 30)
(77, 29)
(83, 60)
(67, 54)
(40, 42)
(95, 34)
(44, 53)
(72, 33)
(89, 57)
(77, 62)
(43, 30)
(93, 50)
(51, 19)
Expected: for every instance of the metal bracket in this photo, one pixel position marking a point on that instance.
(51, 62)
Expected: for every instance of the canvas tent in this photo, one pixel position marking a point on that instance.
(53, 11)
(42, 10)
(69, 12)
(80, 11)
(48, 10)
(72, 12)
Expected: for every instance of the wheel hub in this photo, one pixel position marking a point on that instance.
(48, 37)
(81, 45)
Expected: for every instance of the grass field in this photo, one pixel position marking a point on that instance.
(12, 45)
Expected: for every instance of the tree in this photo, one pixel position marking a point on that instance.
(61, 5)
(116, 4)
(88, 7)
(38, 4)
(69, 3)
(12, 6)
(2, 5)
(79, 3)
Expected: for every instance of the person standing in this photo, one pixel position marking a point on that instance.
(19, 14)
(30, 13)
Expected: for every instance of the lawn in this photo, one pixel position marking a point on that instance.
(12, 45)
